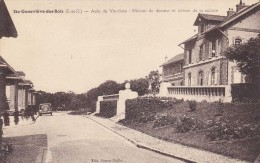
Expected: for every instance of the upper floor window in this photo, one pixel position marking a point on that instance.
(201, 53)
(213, 51)
(238, 41)
(200, 78)
(189, 56)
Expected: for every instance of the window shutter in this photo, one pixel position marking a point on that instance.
(209, 79)
(203, 52)
(216, 77)
(210, 49)
(216, 51)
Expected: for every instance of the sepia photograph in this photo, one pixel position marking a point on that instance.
(129, 81)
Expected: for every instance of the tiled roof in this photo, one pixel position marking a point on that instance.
(235, 16)
(227, 20)
(7, 28)
(174, 59)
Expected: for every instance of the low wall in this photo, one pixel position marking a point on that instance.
(120, 98)
(201, 93)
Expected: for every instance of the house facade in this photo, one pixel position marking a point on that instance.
(207, 74)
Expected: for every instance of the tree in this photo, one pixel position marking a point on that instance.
(109, 87)
(247, 57)
(154, 81)
(140, 86)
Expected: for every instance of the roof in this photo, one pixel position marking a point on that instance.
(224, 23)
(26, 83)
(208, 17)
(14, 77)
(3, 63)
(174, 59)
(21, 73)
(234, 17)
(7, 28)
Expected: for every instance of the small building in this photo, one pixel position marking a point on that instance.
(24, 96)
(12, 91)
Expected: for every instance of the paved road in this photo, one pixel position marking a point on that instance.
(76, 139)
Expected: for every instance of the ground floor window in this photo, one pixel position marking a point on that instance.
(189, 79)
(213, 76)
(200, 78)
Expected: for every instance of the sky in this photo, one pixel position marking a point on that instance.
(78, 51)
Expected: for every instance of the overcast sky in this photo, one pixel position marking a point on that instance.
(76, 52)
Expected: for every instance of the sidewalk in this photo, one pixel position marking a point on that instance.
(141, 140)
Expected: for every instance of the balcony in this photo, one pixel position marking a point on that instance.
(173, 77)
(200, 93)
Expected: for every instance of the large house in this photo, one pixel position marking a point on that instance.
(207, 74)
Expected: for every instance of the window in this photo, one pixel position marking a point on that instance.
(213, 52)
(201, 53)
(189, 56)
(189, 79)
(238, 41)
(213, 76)
(200, 78)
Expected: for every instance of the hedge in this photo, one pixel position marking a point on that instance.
(143, 110)
(244, 92)
(108, 108)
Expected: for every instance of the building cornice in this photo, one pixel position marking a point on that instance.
(204, 62)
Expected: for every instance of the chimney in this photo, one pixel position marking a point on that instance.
(166, 58)
(230, 12)
(240, 6)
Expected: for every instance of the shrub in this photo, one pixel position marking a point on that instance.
(163, 120)
(193, 105)
(5, 149)
(243, 92)
(186, 124)
(143, 110)
(108, 108)
(224, 131)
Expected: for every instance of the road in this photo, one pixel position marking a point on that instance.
(76, 139)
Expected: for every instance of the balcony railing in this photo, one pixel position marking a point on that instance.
(173, 77)
(208, 93)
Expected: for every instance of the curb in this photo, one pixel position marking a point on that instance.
(140, 145)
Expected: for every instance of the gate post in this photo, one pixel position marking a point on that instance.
(123, 96)
(100, 98)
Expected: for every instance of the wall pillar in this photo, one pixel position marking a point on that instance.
(123, 96)
(164, 89)
(100, 98)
